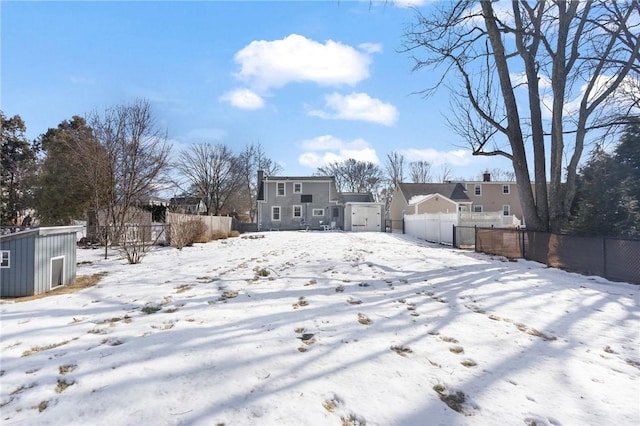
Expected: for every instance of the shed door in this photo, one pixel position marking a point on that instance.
(57, 271)
(365, 218)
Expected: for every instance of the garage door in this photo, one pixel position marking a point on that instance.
(365, 218)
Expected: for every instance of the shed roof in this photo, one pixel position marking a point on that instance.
(49, 230)
(357, 197)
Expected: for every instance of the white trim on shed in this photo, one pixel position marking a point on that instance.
(364, 217)
(32, 255)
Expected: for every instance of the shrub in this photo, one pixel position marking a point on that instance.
(218, 235)
(234, 234)
(184, 234)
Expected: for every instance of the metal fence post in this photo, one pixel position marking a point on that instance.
(454, 237)
(475, 237)
(106, 239)
(604, 255)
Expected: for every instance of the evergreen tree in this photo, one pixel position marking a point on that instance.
(627, 155)
(17, 171)
(598, 197)
(63, 189)
(608, 196)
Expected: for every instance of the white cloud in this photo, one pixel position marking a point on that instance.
(370, 47)
(457, 157)
(623, 97)
(243, 99)
(326, 149)
(295, 58)
(409, 3)
(502, 10)
(357, 106)
(602, 83)
(520, 79)
(322, 143)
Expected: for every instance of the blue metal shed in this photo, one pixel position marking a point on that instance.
(37, 260)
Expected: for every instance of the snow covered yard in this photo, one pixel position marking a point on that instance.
(295, 328)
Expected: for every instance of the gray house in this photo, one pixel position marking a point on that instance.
(313, 202)
(37, 260)
(288, 203)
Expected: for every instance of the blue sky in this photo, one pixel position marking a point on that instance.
(310, 81)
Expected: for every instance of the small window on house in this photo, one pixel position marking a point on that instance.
(318, 212)
(280, 189)
(478, 190)
(506, 210)
(275, 213)
(505, 189)
(477, 208)
(5, 259)
(297, 188)
(297, 211)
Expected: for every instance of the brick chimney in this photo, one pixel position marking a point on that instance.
(486, 177)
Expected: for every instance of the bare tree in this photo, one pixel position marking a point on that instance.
(445, 174)
(134, 160)
(394, 166)
(252, 159)
(543, 73)
(395, 169)
(212, 174)
(420, 171)
(354, 176)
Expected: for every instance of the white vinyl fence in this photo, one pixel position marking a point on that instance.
(434, 227)
(438, 227)
(482, 220)
(213, 223)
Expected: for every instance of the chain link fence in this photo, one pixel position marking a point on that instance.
(613, 258)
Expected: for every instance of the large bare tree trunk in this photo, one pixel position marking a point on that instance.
(514, 131)
(557, 54)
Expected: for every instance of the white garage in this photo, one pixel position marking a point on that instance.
(364, 217)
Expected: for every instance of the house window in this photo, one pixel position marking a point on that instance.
(297, 188)
(5, 259)
(505, 189)
(477, 190)
(318, 212)
(297, 211)
(506, 210)
(280, 189)
(477, 208)
(275, 213)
